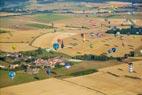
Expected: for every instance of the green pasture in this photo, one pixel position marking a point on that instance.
(50, 17)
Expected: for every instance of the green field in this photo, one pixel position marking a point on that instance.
(77, 69)
(21, 77)
(3, 31)
(40, 26)
(50, 17)
(85, 72)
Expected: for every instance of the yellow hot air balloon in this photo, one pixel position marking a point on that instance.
(14, 47)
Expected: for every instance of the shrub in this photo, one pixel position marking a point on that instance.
(92, 57)
(132, 30)
(41, 53)
(85, 72)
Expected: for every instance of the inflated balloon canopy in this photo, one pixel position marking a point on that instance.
(56, 45)
(13, 47)
(11, 74)
(113, 49)
(62, 44)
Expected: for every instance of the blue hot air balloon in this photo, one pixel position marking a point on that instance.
(11, 74)
(56, 45)
(113, 49)
(48, 71)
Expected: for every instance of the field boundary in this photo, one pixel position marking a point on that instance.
(30, 44)
(83, 86)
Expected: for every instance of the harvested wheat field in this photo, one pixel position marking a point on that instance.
(31, 35)
(114, 80)
(70, 47)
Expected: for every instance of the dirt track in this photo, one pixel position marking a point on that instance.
(108, 81)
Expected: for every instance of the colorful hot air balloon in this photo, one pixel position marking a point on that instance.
(11, 74)
(113, 49)
(56, 45)
(59, 41)
(49, 71)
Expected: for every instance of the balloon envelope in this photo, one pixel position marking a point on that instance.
(11, 74)
(13, 47)
(59, 40)
(56, 46)
(62, 45)
(113, 49)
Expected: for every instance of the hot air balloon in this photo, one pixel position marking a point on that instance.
(13, 47)
(56, 45)
(59, 41)
(67, 66)
(130, 67)
(118, 33)
(109, 22)
(83, 36)
(62, 44)
(11, 74)
(91, 45)
(49, 71)
(113, 49)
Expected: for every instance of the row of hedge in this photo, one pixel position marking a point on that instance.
(3, 31)
(92, 57)
(85, 72)
(132, 30)
(42, 53)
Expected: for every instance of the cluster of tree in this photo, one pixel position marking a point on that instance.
(92, 57)
(85, 72)
(132, 30)
(3, 31)
(42, 53)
